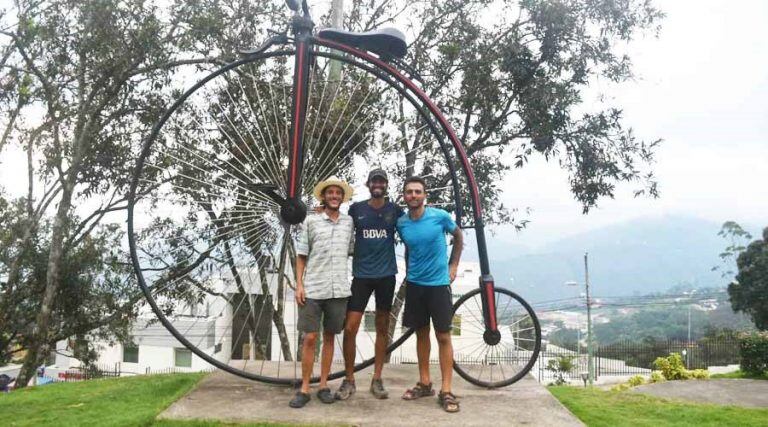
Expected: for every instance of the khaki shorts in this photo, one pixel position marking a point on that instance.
(332, 311)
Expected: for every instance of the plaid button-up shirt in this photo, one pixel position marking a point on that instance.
(327, 246)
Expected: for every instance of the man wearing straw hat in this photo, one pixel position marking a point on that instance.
(325, 242)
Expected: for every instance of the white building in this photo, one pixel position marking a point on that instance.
(213, 327)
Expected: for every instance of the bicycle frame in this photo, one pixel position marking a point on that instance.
(293, 209)
(306, 50)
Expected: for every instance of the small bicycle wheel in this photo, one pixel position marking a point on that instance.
(512, 356)
(210, 251)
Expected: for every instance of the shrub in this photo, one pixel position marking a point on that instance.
(620, 387)
(672, 367)
(636, 381)
(753, 349)
(700, 374)
(657, 377)
(560, 366)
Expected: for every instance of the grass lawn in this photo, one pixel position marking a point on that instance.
(134, 401)
(596, 407)
(740, 374)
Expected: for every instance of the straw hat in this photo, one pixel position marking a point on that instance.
(333, 180)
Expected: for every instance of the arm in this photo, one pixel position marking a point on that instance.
(406, 261)
(458, 245)
(405, 254)
(302, 251)
(301, 263)
(351, 249)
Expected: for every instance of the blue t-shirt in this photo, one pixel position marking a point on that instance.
(374, 239)
(427, 250)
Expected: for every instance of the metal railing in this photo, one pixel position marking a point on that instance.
(636, 357)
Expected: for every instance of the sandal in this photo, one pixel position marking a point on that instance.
(448, 401)
(421, 390)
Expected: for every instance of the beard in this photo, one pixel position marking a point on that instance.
(378, 193)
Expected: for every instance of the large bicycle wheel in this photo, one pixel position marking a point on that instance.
(510, 356)
(211, 254)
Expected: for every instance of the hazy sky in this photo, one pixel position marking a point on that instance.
(702, 86)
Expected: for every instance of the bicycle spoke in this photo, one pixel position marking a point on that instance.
(208, 238)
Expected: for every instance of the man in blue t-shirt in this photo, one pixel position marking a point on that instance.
(428, 293)
(373, 270)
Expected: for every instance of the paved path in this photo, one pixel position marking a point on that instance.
(739, 392)
(224, 397)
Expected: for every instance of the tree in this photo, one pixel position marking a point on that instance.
(510, 87)
(100, 73)
(511, 77)
(749, 292)
(514, 85)
(90, 301)
(737, 239)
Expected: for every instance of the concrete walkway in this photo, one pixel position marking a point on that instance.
(224, 397)
(738, 392)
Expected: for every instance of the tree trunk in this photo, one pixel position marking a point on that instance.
(277, 299)
(39, 344)
(278, 313)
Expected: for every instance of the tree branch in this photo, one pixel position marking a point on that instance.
(177, 63)
(11, 122)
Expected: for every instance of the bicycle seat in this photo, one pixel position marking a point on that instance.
(383, 42)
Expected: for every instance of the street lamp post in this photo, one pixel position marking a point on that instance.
(578, 323)
(590, 349)
(590, 355)
(690, 301)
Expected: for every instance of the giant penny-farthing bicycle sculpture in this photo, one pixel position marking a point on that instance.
(224, 180)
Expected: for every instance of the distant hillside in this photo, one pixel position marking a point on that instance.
(637, 257)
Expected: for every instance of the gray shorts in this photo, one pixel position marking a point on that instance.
(333, 311)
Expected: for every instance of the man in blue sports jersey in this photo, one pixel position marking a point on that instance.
(429, 274)
(373, 270)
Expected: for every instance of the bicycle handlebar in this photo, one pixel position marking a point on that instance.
(294, 6)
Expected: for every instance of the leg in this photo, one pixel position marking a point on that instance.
(334, 312)
(382, 339)
(361, 293)
(352, 325)
(416, 316)
(309, 324)
(422, 353)
(445, 349)
(385, 293)
(326, 357)
(441, 311)
(307, 359)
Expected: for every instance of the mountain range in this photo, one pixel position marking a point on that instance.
(638, 257)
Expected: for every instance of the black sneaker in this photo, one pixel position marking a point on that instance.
(325, 396)
(346, 390)
(299, 400)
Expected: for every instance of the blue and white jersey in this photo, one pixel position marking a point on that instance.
(374, 239)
